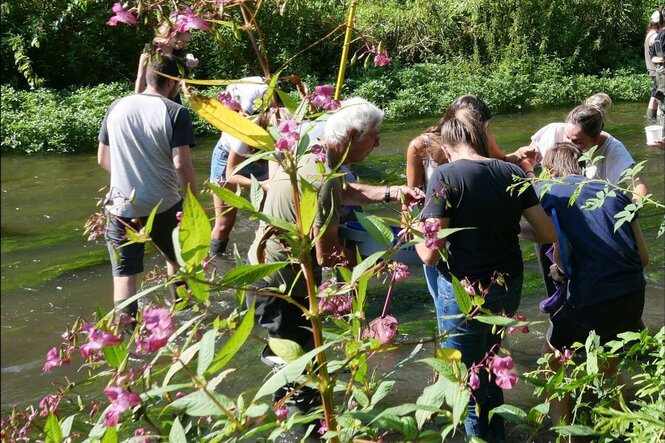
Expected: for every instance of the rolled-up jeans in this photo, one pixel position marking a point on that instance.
(474, 339)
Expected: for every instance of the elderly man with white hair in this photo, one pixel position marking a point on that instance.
(350, 135)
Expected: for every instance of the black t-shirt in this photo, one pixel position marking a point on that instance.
(476, 196)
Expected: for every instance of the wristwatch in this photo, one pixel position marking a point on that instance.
(386, 195)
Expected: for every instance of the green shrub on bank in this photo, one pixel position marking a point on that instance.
(46, 120)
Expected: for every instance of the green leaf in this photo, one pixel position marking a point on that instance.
(194, 235)
(289, 372)
(256, 193)
(382, 391)
(52, 429)
(177, 433)
(110, 435)
(151, 219)
(577, 430)
(286, 349)
(233, 345)
(66, 425)
(370, 261)
(200, 403)
(376, 228)
(360, 397)
(243, 275)
(115, 355)
(308, 205)
(257, 410)
(287, 100)
(463, 299)
(433, 395)
(509, 412)
(231, 198)
(206, 351)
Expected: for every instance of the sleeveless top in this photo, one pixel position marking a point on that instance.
(647, 53)
(429, 165)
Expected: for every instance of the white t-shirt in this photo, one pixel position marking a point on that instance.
(230, 143)
(616, 157)
(246, 93)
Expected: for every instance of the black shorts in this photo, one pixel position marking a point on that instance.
(570, 324)
(128, 260)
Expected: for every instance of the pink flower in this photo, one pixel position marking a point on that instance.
(566, 356)
(53, 359)
(288, 126)
(432, 228)
(141, 432)
(524, 329)
(468, 287)
(228, 101)
(336, 305)
(382, 59)
(121, 15)
(434, 242)
(323, 427)
(121, 400)
(48, 405)
(290, 135)
(320, 154)
(187, 21)
(96, 341)
(158, 322)
(178, 215)
(322, 98)
(281, 413)
(399, 270)
(501, 367)
(474, 380)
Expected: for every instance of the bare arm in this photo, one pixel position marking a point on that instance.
(494, 150)
(182, 161)
(103, 156)
(328, 249)
(359, 194)
(540, 228)
(641, 243)
(430, 256)
(140, 83)
(415, 172)
(639, 187)
(237, 179)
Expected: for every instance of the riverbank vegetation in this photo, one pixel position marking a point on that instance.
(62, 66)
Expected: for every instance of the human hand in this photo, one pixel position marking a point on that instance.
(660, 144)
(527, 164)
(191, 62)
(555, 274)
(412, 195)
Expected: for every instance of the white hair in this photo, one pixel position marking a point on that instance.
(355, 113)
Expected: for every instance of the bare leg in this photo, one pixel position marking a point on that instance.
(225, 219)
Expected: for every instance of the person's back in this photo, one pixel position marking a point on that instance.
(604, 262)
(140, 128)
(476, 198)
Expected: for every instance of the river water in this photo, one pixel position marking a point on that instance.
(51, 275)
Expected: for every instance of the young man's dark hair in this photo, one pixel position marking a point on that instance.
(165, 63)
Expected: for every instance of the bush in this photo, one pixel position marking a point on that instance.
(45, 120)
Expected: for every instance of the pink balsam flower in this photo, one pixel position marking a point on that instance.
(187, 21)
(228, 101)
(97, 340)
(121, 401)
(399, 270)
(322, 98)
(54, 359)
(158, 322)
(121, 16)
(524, 329)
(501, 367)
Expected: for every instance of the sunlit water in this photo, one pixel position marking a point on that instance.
(51, 275)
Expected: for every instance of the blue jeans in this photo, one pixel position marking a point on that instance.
(431, 277)
(219, 160)
(474, 339)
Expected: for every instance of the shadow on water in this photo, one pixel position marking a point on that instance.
(51, 275)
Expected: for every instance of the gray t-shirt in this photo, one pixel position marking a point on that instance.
(141, 131)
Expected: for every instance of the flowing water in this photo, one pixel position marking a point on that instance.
(51, 275)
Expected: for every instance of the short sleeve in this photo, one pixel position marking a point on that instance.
(183, 133)
(330, 200)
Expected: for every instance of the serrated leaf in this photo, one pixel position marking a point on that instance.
(206, 351)
(243, 275)
(509, 412)
(370, 261)
(308, 205)
(360, 397)
(257, 410)
(66, 425)
(200, 404)
(233, 345)
(286, 349)
(231, 198)
(256, 193)
(382, 391)
(52, 429)
(115, 355)
(576, 430)
(194, 233)
(110, 435)
(462, 297)
(376, 228)
(177, 433)
(434, 396)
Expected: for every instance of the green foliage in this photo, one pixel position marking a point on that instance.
(45, 120)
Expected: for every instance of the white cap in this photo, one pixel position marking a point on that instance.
(655, 17)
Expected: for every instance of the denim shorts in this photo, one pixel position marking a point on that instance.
(219, 160)
(572, 324)
(128, 260)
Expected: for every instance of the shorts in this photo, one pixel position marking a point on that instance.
(572, 324)
(128, 260)
(219, 160)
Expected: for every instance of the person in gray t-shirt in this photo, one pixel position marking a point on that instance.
(144, 143)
